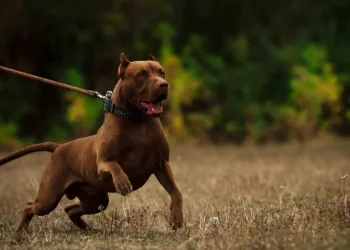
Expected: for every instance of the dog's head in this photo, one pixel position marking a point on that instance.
(142, 85)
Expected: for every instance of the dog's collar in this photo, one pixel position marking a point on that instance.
(110, 107)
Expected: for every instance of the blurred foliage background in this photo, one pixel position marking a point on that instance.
(239, 70)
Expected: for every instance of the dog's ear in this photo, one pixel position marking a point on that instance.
(124, 62)
(152, 58)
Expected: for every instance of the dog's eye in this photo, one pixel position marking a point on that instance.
(142, 74)
(162, 73)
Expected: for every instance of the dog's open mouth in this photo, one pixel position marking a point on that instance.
(154, 108)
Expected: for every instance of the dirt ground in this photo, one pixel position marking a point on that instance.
(273, 197)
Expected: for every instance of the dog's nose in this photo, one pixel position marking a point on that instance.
(163, 85)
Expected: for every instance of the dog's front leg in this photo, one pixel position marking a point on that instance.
(120, 179)
(166, 179)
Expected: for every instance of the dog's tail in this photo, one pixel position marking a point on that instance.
(46, 146)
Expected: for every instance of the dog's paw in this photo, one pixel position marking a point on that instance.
(176, 218)
(122, 185)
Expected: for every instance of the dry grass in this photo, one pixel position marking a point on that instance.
(273, 197)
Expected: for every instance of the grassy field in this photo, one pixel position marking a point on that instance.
(272, 197)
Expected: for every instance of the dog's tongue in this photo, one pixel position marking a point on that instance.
(153, 108)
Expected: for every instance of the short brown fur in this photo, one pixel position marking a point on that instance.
(120, 158)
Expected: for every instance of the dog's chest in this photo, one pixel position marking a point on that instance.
(140, 162)
(142, 158)
(140, 151)
(144, 151)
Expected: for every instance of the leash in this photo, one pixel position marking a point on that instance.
(108, 104)
(90, 93)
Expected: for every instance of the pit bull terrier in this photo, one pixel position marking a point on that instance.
(128, 148)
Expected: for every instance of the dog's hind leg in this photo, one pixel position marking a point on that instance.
(51, 190)
(26, 216)
(91, 202)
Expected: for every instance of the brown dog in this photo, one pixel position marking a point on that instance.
(127, 149)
